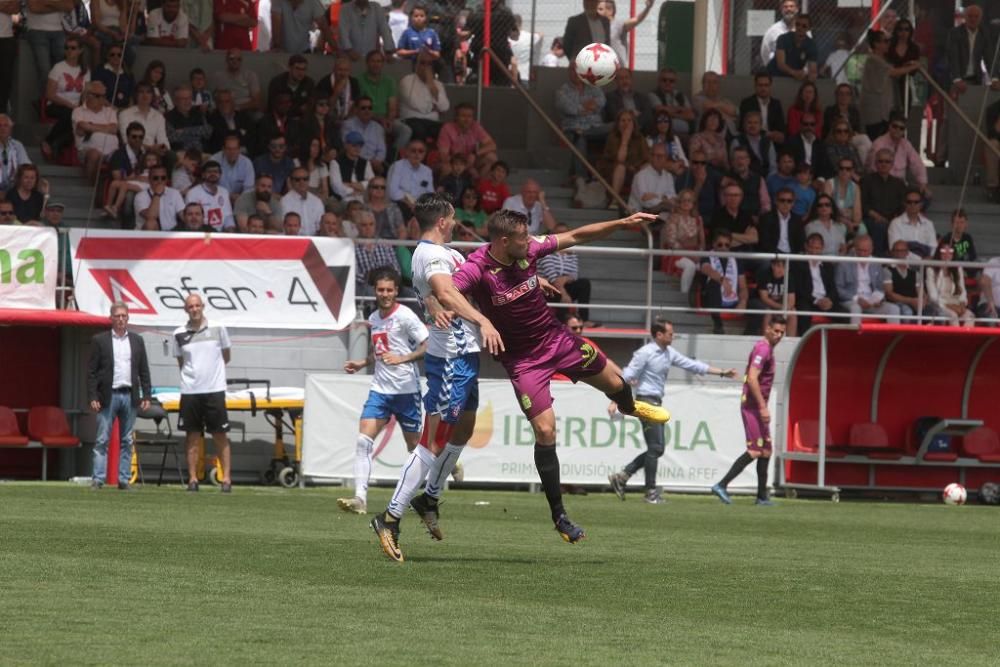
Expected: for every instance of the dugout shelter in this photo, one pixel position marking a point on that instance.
(881, 407)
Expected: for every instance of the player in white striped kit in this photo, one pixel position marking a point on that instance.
(399, 339)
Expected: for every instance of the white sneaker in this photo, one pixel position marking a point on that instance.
(354, 505)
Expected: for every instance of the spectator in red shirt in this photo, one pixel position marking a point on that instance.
(234, 19)
(493, 189)
(465, 135)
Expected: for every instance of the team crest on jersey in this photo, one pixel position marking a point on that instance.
(515, 293)
(589, 354)
(522, 263)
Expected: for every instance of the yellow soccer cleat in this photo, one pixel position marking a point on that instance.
(648, 412)
(388, 537)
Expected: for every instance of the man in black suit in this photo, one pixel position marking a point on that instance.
(970, 49)
(807, 148)
(586, 28)
(780, 230)
(117, 383)
(772, 115)
(816, 285)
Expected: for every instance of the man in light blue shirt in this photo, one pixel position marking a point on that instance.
(647, 372)
(410, 177)
(237, 169)
(371, 130)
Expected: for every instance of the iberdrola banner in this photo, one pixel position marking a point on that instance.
(703, 437)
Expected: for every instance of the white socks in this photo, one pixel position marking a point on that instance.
(362, 466)
(413, 475)
(443, 465)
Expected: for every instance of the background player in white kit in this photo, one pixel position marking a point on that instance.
(452, 368)
(399, 339)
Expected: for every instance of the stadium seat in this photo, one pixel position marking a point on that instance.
(940, 451)
(982, 444)
(10, 432)
(47, 424)
(805, 438)
(872, 441)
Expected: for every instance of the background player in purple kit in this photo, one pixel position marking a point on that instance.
(501, 278)
(756, 417)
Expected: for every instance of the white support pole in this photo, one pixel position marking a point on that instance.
(821, 468)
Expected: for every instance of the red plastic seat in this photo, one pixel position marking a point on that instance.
(805, 438)
(982, 444)
(873, 437)
(10, 432)
(48, 425)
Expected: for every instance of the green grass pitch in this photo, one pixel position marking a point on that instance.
(281, 577)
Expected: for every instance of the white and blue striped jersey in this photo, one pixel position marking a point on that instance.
(430, 259)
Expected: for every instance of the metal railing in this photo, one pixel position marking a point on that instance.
(649, 308)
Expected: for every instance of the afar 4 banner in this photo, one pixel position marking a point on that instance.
(245, 280)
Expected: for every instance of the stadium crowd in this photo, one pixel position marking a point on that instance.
(348, 155)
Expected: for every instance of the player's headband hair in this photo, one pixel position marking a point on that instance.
(383, 273)
(431, 207)
(504, 223)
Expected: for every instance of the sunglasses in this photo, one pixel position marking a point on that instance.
(898, 126)
(699, 163)
(376, 186)
(299, 179)
(115, 54)
(7, 212)
(913, 201)
(786, 200)
(721, 246)
(884, 161)
(808, 124)
(71, 48)
(824, 204)
(137, 136)
(157, 178)
(846, 167)
(364, 108)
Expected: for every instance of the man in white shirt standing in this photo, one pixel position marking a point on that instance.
(531, 202)
(399, 340)
(653, 186)
(167, 26)
(214, 198)
(789, 10)
(299, 200)
(158, 206)
(202, 352)
(647, 372)
(859, 286)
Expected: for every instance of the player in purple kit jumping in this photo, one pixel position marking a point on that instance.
(501, 278)
(756, 417)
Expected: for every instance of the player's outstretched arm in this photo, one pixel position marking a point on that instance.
(448, 296)
(599, 230)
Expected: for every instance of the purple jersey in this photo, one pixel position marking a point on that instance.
(761, 358)
(511, 297)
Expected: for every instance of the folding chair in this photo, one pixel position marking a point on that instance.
(162, 436)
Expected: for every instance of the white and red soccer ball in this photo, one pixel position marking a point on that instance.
(597, 64)
(954, 494)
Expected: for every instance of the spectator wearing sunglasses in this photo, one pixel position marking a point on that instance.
(913, 227)
(725, 286)
(780, 230)
(158, 207)
(906, 160)
(118, 83)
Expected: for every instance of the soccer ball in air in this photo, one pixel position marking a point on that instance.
(954, 494)
(596, 64)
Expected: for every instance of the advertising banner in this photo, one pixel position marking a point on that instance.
(245, 280)
(703, 437)
(29, 263)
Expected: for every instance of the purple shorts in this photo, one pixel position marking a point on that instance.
(757, 432)
(564, 353)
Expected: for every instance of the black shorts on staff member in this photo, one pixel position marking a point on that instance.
(203, 412)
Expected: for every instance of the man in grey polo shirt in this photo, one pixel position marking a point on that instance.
(647, 372)
(202, 352)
